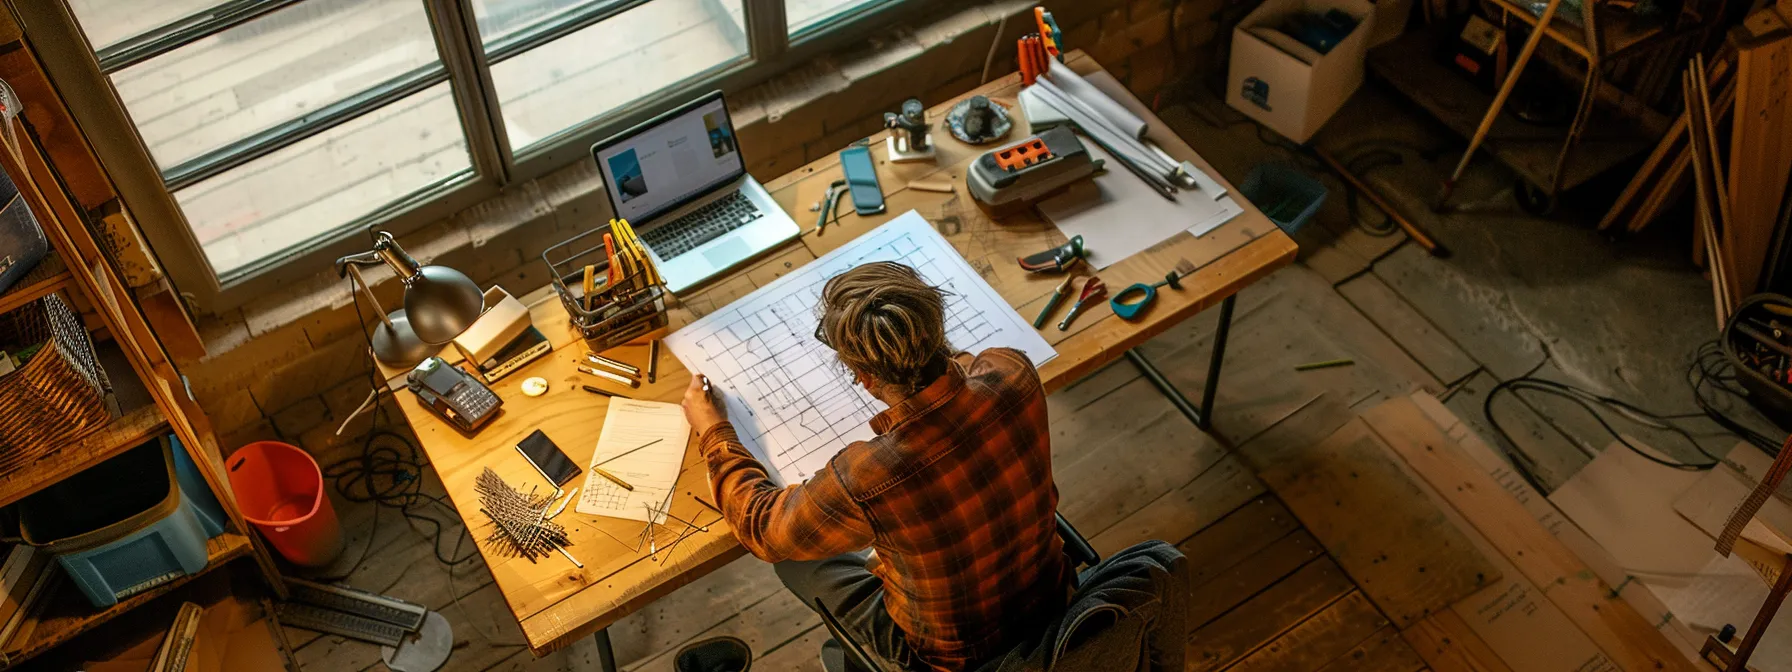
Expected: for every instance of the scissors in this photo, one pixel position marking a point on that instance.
(1129, 302)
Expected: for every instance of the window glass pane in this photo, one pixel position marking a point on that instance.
(576, 78)
(801, 15)
(281, 200)
(108, 22)
(274, 69)
(499, 19)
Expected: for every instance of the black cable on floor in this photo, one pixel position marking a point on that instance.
(1712, 370)
(388, 472)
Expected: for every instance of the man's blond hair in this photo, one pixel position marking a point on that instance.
(884, 321)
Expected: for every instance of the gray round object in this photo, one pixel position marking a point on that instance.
(398, 346)
(962, 125)
(442, 302)
(426, 651)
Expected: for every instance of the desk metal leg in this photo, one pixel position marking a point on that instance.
(606, 657)
(1203, 416)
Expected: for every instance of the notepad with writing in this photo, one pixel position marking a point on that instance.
(642, 444)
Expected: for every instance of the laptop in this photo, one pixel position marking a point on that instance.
(680, 181)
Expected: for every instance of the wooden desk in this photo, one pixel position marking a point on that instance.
(556, 603)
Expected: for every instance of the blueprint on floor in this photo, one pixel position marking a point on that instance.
(792, 403)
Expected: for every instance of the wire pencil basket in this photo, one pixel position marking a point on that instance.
(622, 305)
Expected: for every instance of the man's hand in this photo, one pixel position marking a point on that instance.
(700, 409)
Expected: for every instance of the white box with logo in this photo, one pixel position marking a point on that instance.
(1286, 85)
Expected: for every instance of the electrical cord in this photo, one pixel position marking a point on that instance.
(1712, 370)
(388, 472)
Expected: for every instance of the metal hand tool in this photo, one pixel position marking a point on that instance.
(1093, 291)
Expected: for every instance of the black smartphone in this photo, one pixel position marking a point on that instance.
(547, 458)
(861, 178)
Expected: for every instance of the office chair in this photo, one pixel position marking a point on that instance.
(1081, 555)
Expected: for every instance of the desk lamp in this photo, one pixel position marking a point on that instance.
(439, 303)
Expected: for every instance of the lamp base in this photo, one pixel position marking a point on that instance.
(396, 345)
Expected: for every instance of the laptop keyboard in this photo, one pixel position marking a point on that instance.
(701, 225)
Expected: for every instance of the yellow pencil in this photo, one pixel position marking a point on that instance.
(612, 477)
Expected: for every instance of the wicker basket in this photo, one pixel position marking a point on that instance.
(59, 394)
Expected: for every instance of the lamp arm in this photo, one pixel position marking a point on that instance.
(369, 258)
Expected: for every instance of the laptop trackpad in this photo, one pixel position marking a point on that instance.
(727, 252)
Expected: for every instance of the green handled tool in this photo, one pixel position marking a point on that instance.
(1051, 304)
(1127, 308)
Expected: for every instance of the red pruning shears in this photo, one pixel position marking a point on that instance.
(1093, 292)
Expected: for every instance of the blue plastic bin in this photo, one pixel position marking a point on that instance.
(120, 527)
(192, 485)
(1286, 195)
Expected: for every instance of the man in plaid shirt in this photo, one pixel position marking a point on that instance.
(954, 496)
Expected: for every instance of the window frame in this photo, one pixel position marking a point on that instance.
(76, 71)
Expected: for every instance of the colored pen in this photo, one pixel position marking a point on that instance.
(620, 380)
(613, 478)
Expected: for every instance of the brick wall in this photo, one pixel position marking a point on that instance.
(292, 365)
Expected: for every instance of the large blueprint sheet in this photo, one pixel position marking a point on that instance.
(790, 400)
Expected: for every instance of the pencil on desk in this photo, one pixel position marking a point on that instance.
(613, 478)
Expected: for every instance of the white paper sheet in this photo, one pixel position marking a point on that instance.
(1118, 215)
(789, 399)
(652, 470)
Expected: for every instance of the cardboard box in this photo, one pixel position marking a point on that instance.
(1285, 85)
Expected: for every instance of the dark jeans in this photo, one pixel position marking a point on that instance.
(855, 597)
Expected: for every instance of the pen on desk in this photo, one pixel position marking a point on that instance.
(653, 360)
(601, 360)
(608, 460)
(594, 390)
(620, 380)
(613, 478)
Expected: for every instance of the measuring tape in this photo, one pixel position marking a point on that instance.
(1770, 482)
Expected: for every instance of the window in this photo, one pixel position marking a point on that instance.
(281, 128)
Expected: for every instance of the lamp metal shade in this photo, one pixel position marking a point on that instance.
(441, 302)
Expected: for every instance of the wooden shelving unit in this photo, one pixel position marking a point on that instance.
(145, 385)
(68, 613)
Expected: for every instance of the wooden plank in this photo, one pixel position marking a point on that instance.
(1317, 641)
(1412, 331)
(1407, 556)
(1591, 604)
(1181, 513)
(1228, 588)
(1447, 644)
(1578, 541)
(1241, 534)
(1383, 651)
(1760, 142)
(1265, 617)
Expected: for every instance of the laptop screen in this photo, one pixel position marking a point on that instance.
(661, 164)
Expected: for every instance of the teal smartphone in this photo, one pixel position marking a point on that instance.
(861, 180)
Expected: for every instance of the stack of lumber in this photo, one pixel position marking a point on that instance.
(1475, 570)
(1740, 186)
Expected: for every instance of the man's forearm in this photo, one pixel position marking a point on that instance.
(806, 522)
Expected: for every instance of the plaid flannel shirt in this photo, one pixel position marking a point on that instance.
(955, 494)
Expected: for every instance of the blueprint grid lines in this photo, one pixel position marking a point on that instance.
(791, 402)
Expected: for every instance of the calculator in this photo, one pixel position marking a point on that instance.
(453, 394)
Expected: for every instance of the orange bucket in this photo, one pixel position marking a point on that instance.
(281, 491)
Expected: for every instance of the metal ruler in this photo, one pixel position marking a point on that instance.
(1770, 483)
(406, 615)
(310, 617)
